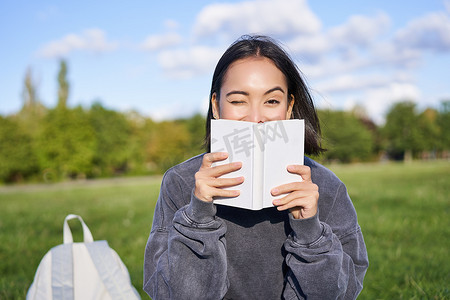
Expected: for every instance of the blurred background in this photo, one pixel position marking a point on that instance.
(79, 80)
(108, 89)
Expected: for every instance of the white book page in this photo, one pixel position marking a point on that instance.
(283, 146)
(235, 138)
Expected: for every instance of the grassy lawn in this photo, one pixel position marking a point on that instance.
(404, 214)
(402, 209)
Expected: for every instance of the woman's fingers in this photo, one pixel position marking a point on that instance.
(304, 199)
(300, 197)
(210, 158)
(301, 205)
(208, 180)
(295, 186)
(220, 170)
(227, 182)
(303, 171)
(207, 189)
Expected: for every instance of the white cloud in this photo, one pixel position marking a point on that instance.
(280, 17)
(187, 63)
(377, 101)
(375, 92)
(330, 66)
(359, 31)
(345, 42)
(431, 32)
(91, 40)
(311, 47)
(158, 42)
(390, 55)
(353, 82)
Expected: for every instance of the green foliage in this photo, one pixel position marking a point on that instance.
(141, 134)
(67, 145)
(31, 115)
(168, 145)
(17, 156)
(443, 122)
(402, 209)
(196, 127)
(402, 130)
(429, 130)
(112, 132)
(345, 137)
(63, 85)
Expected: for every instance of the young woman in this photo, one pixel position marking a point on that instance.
(308, 246)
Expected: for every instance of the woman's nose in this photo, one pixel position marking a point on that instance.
(256, 116)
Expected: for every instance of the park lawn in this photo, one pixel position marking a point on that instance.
(31, 222)
(403, 210)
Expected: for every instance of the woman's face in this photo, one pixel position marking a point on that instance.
(253, 90)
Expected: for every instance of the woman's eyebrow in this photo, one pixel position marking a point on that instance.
(237, 93)
(277, 88)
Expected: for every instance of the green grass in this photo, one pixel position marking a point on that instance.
(403, 210)
(31, 221)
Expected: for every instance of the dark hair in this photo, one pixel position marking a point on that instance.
(263, 46)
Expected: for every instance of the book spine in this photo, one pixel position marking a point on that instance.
(258, 165)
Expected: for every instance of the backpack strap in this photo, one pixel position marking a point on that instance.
(62, 273)
(116, 282)
(68, 234)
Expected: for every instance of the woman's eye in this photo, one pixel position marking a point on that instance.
(273, 101)
(236, 101)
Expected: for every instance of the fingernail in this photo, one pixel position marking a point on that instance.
(274, 191)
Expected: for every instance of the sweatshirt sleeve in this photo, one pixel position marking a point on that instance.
(185, 256)
(326, 259)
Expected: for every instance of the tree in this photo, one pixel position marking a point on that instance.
(32, 112)
(29, 93)
(443, 121)
(345, 137)
(112, 133)
(67, 144)
(63, 85)
(429, 131)
(196, 127)
(142, 129)
(167, 145)
(401, 130)
(17, 159)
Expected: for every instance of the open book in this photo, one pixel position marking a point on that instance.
(265, 150)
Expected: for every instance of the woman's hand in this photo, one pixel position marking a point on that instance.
(207, 181)
(302, 196)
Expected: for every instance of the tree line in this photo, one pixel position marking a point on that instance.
(52, 144)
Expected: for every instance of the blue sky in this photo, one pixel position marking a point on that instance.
(157, 57)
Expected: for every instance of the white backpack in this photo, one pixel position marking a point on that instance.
(75, 271)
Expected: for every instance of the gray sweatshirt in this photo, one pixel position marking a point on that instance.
(199, 250)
